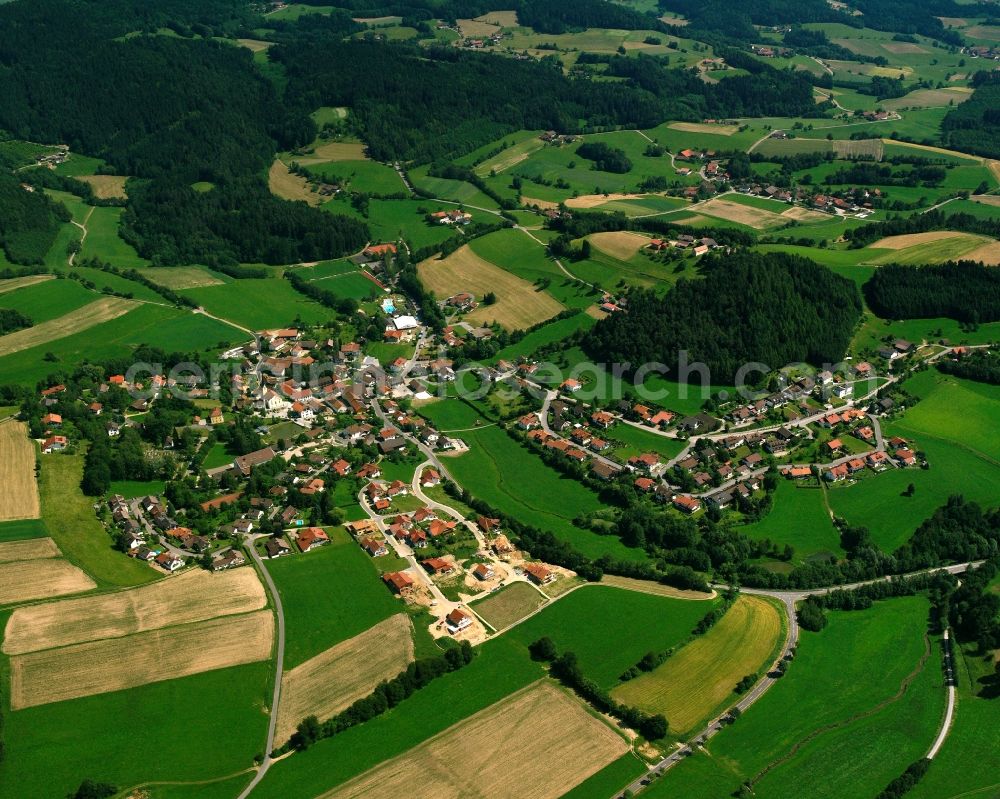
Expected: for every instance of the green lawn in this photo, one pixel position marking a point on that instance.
(137, 488)
(635, 441)
(831, 681)
(457, 190)
(169, 328)
(212, 724)
(610, 628)
(799, 517)
(104, 242)
(501, 667)
(329, 595)
(48, 300)
(260, 303)
(71, 521)
(369, 177)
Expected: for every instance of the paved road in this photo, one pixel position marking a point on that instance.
(949, 714)
(276, 696)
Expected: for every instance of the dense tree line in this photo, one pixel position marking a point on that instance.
(386, 696)
(170, 111)
(974, 609)
(872, 174)
(566, 669)
(983, 366)
(962, 290)
(974, 126)
(605, 158)
(773, 309)
(29, 221)
(558, 16)
(906, 781)
(11, 319)
(921, 223)
(720, 20)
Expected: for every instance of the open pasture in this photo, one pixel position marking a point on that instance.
(90, 315)
(181, 277)
(18, 489)
(24, 580)
(510, 605)
(365, 176)
(14, 283)
(28, 549)
(103, 242)
(732, 211)
(511, 156)
(933, 247)
(798, 517)
(115, 664)
(519, 304)
(259, 304)
(107, 187)
(619, 244)
(333, 680)
(186, 598)
(698, 680)
(43, 302)
(537, 744)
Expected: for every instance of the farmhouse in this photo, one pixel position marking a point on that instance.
(311, 538)
(54, 444)
(169, 561)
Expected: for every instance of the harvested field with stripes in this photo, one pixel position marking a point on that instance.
(18, 488)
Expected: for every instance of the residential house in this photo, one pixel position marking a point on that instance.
(311, 538)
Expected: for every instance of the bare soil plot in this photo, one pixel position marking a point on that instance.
(338, 151)
(510, 605)
(254, 45)
(18, 489)
(106, 187)
(989, 254)
(699, 127)
(594, 200)
(95, 313)
(288, 186)
(651, 587)
(987, 199)
(869, 148)
(991, 32)
(189, 597)
(505, 19)
(542, 205)
(116, 664)
(519, 305)
(900, 48)
(930, 98)
(953, 22)
(476, 28)
(694, 682)
(13, 283)
(800, 214)
(536, 744)
(619, 244)
(31, 549)
(692, 220)
(180, 277)
(994, 167)
(757, 218)
(335, 679)
(23, 580)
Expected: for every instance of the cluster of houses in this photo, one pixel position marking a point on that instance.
(770, 51)
(698, 246)
(478, 44)
(551, 137)
(802, 391)
(453, 217)
(983, 51)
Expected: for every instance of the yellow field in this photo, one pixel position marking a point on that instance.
(340, 151)
(757, 218)
(24, 580)
(189, 597)
(518, 304)
(18, 489)
(928, 148)
(12, 283)
(505, 19)
(651, 587)
(510, 605)
(284, 184)
(537, 744)
(907, 240)
(989, 254)
(845, 148)
(95, 313)
(698, 127)
(106, 187)
(986, 199)
(619, 244)
(475, 28)
(697, 681)
(338, 677)
(542, 205)
(116, 664)
(180, 277)
(32, 549)
(594, 200)
(801, 214)
(254, 45)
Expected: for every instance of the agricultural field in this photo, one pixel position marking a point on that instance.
(833, 721)
(102, 239)
(329, 596)
(107, 187)
(698, 681)
(18, 489)
(555, 743)
(24, 580)
(799, 518)
(935, 247)
(332, 680)
(258, 303)
(47, 300)
(610, 628)
(548, 334)
(288, 186)
(365, 176)
(519, 305)
(509, 606)
(83, 318)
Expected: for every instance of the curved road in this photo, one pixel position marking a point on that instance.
(279, 671)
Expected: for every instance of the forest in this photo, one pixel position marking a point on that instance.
(771, 309)
(974, 126)
(963, 290)
(11, 320)
(29, 222)
(71, 78)
(983, 366)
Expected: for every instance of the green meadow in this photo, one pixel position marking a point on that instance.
(22, 529)
(328, 595)
(49, 299)
(259, 303)
(630, 441)
(799, 517)
(102, 240)
(852, 728)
